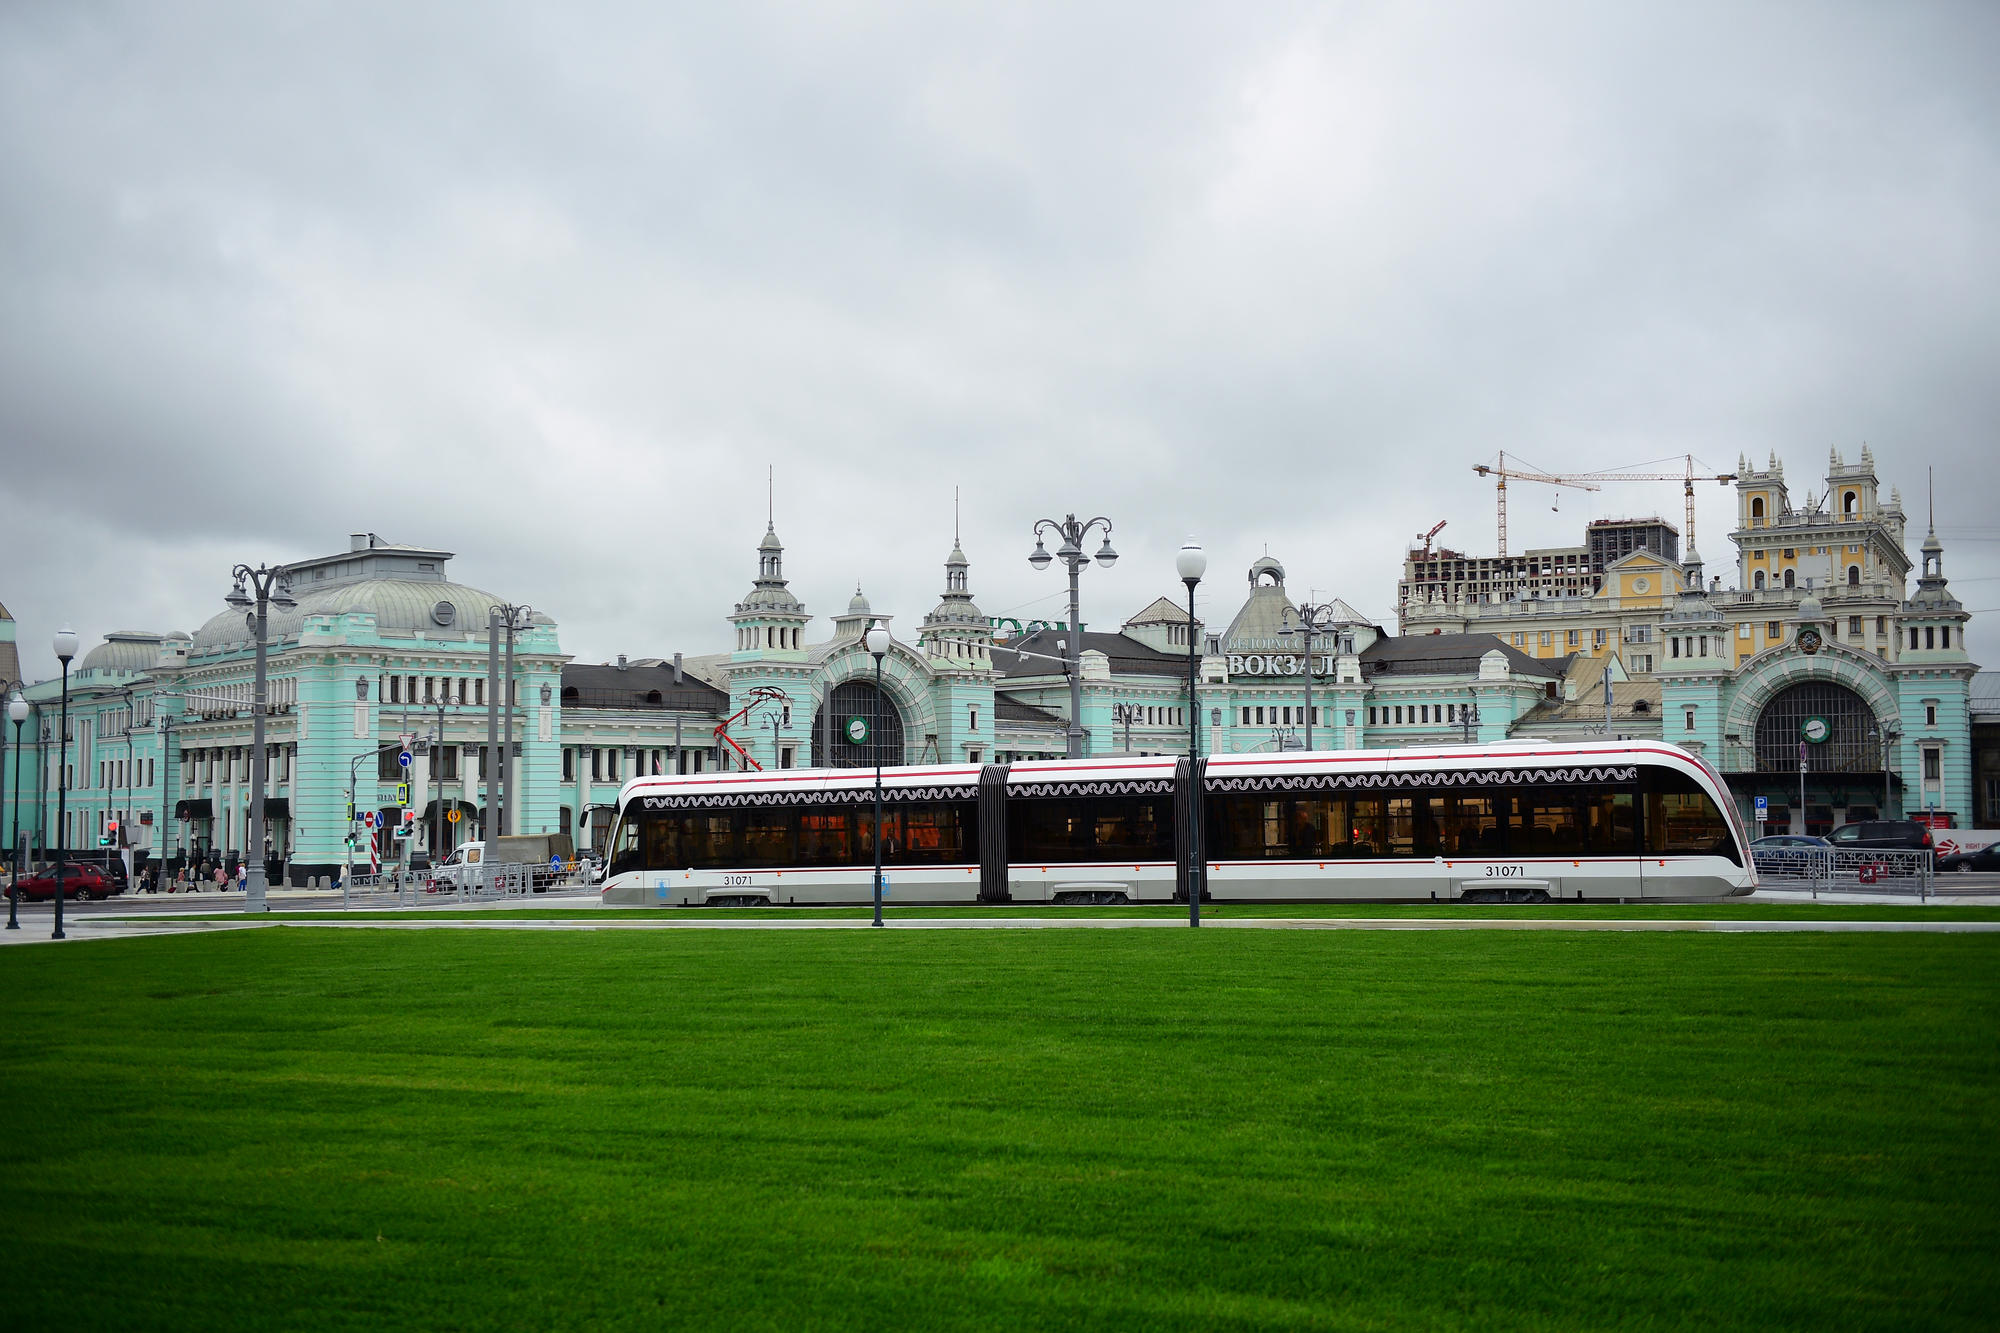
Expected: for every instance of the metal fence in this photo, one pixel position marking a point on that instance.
(490, 881)
(1844, 870)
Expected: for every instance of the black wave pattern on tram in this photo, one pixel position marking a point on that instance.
(1471, 777)
(839, 796)
(1098, 787)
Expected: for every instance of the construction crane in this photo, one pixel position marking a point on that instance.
(1427, 541)
(1501, 472)
(1589, 481)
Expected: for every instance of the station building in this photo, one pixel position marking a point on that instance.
(1819, 653)
(1821, 656)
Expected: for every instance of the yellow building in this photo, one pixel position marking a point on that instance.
(1843, 543)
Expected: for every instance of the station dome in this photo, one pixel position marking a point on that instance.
(401, 607)
(124, 652)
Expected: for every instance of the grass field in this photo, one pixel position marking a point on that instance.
(1088, 1129)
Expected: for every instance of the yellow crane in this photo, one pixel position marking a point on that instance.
(1590, 481)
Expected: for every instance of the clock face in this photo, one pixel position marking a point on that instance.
(857, 729)
(1816, 730)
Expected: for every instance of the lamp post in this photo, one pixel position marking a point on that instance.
(17, 711)
(272, 586)
(1314, 617)
(1070, 552)
(500, 697)
(165, 721)
(1191, 564)
(125, 815)
(878, 645)
(437, 772)
(65, 651)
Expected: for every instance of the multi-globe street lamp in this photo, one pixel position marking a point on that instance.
(878, 645)
(1191, 564)
(271, 585)
(1314, 619)
(510, 619)
(65, 653)
(1070, 552)
(17, 712)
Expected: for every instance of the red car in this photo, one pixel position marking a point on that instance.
(78, 881)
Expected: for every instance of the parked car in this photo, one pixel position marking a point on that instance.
(1780, 841)
(79, 881)
(1984, 858)
(1882, 833)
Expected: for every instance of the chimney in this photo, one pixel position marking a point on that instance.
(357, 541)
(621, 661)
(677, 668)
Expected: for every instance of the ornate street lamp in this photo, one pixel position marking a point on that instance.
(878, 644)
(17, 712)
(65, 652)
(510, 619)
(1071, 554)
(1314, 617)
(1192, 563)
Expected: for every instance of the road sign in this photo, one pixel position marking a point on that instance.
(555, 863)
(403, 758)
(368, 818)
(451, 815)
(1763, 809)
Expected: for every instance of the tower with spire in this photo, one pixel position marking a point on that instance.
(957, 642)
(770, 650)
(1934, 685)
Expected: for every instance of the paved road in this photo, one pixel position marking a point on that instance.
(100, 928)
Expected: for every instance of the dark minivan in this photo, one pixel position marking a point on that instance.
(1881, 833)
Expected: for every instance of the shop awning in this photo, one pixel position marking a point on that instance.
(195, 807)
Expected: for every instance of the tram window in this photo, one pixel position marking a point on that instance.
(1544, 824)
(1319, 826)
(625, 848)
(1606, 823)
(934, 834)
(767, 838)
(1409, 826)
(708, 840)
(1090, 828)
(1466, 825)
(1246, 828)
(1369, 831)
(1681, 819)
(825, 838)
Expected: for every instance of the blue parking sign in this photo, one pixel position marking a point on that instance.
(1763, 808)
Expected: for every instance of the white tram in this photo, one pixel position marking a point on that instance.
(1514, 821)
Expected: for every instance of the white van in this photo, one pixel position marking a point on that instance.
(456, 869)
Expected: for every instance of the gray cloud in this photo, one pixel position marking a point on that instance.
(552, 289)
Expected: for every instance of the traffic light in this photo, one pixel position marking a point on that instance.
(408, 826)
(350, 812)
(402, 793)
(109, 838)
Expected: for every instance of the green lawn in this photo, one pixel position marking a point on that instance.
(1091, 1129)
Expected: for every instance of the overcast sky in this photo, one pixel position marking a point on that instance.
(550, 287)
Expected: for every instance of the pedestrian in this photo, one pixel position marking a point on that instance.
(221, 878)
(243, 877)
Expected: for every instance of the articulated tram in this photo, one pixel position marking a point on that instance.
(1514, 821)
